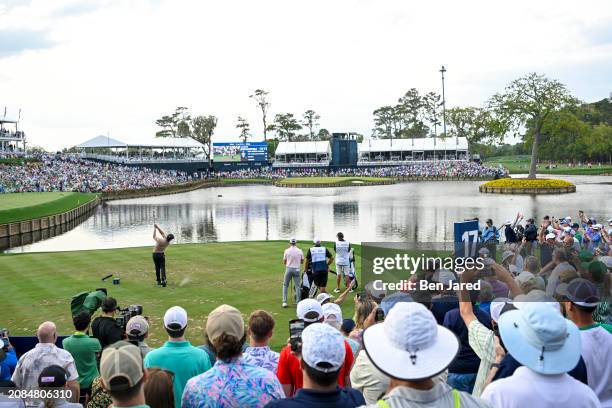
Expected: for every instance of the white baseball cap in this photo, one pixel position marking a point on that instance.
(409, 344)
(175, 315)
(309, 307)
(496, 307)
(137, 325)
(316, 241)
(551, 236)
(332, 311)
(322, 297)
(322, 344)
(293, 241)
(508, 223)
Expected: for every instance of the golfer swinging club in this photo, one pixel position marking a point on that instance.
(159, 258)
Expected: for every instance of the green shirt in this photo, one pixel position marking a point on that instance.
(182, 359)
(83, 349)
(608, 327)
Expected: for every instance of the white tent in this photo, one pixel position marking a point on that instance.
(286, 148)
(408, 145)
(154, 142)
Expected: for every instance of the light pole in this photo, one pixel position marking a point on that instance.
(442, 71)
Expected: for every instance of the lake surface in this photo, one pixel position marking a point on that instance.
(420, 211)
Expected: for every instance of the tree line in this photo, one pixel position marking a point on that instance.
(284, 126)
(550, 122)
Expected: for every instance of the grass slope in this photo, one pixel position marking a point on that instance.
(520, 164)
(39, 286)
(25, 206)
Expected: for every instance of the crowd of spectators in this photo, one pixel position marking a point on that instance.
(465, 169)
(538, 333)
(70, 173)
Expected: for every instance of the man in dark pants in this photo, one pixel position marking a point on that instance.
(159, 258)
(318, 258)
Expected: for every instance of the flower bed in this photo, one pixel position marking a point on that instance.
(527, 186)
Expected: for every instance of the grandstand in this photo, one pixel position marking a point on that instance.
(153, 150)
(372, 152)
(302, 154)
(376, 152)
(12, 141)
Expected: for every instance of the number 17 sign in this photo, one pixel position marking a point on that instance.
(466, 239)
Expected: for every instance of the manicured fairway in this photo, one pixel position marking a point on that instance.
(25, 206)
(520, 164)
(38, 286)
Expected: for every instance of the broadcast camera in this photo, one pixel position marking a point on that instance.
(124, 315)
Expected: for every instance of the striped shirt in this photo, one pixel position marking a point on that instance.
(483, 343)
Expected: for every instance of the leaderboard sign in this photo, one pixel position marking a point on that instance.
(240, 152)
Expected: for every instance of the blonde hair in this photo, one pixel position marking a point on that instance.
(363, 308)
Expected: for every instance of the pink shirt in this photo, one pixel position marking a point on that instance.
(293, 257)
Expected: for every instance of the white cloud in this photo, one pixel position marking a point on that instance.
(116, 66)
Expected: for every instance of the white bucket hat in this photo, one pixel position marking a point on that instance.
(409, 344)
(540, 338)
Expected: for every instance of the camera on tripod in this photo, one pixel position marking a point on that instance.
(124, 315)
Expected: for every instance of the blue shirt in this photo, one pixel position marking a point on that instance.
(490, 233)
(467, 361)
(440, 306)
(339, 398)
(182, 359)
(8, 365)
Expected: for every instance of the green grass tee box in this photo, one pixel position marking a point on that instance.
(16, 207)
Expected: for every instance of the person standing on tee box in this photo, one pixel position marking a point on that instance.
(159, 256)
(319, 258)
(293, 258)
(342, 248)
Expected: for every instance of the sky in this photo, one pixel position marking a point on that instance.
(78, 69)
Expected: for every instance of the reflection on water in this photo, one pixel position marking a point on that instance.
(422, 211)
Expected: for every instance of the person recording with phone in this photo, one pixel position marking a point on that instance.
(289, 371)
(321, 360)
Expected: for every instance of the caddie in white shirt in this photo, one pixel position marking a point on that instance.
(343, 264)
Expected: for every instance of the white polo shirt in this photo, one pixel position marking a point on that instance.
(526, 388)
(596, 352)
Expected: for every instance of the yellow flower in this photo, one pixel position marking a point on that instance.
(527, 183)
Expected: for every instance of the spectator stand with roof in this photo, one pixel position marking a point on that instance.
(12, 140)
(184, 154)
(302, 154)
(377, 152)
